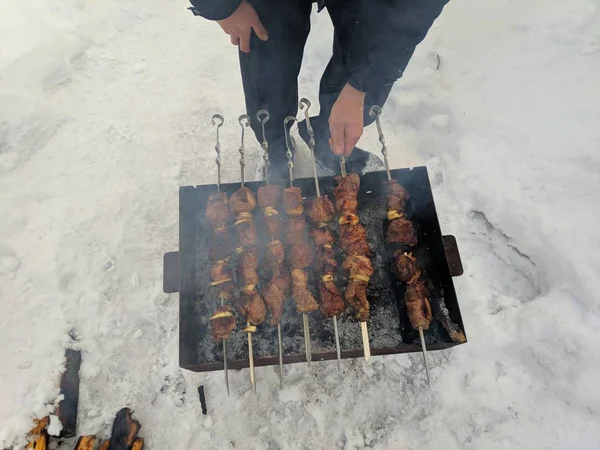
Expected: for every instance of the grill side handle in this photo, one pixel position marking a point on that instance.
(171, 273)
(452, 255)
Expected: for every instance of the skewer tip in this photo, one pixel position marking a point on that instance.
(337, 344)
(365, 339)
(424, 349)
(307, 346)
(280, 355)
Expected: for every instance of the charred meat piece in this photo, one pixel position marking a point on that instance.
(417, 305)
(332, 303)
(359, 267)
(242, 201)
(274, 256)
(345, 194)
(275, 293)
(401, 231)
(320, 211)
(353, 240)
(359, 272)
(220, 273)
(295, 230)
(397, 197)
(292, 200)
(325, 261)
(247, 268)
(273, 226)
(269, 196)
(356, 297)
(220, 251)
(404, 266)
(305, 302)
(300, 255)
(252, 307)
(222, 323)
(246, 230)
(217, 212)
(322, 236)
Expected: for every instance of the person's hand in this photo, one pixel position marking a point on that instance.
(346, 120)
(240, 24)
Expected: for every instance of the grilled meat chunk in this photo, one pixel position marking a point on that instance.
(417, 305)
(242, 201)
(397, 196)
(320, 211)
(323, 236)
(345, 193)
(295, 230)
(222, 323)
(324, 260)
(332, 302)
(275, 293)
(353, 240)
(217, 212)
(300, 255)
(401, 231)
(247, 268)
(246, 230)
(404, 266)
(252, 307)
(269, 196)
(292, 200)
(305, 302)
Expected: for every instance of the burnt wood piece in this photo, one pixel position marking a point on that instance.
(138, 444)
(69, 388)
(104, 445)
(85, 443)
(124, 431)
(389, 327)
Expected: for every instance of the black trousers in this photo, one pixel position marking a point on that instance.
(270, 71)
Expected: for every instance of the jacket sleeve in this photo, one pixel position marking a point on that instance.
(214, 9)
(385, 38)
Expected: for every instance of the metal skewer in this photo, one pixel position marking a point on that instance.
(363, 325)
(290, 164)
(244, 122)
(263, 117)
(375, 112)
(311, 145)
(218, 120)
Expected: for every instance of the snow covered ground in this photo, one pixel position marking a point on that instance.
(104, 111)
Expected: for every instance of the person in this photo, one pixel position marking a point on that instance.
(372, 44)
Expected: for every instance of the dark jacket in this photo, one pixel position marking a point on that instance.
(379, 45)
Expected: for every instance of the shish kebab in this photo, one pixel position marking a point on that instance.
(276, 290)
(320, 212)
(251, 305)
(217, 213)
(299, 249)
(353, 242)
(405, 265)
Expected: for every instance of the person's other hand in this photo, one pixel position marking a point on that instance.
(346, 120)
(240, 24)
